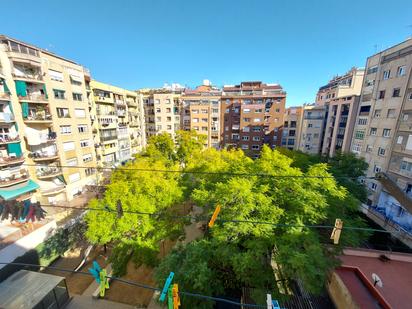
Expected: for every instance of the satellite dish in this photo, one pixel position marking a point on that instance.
(377, 281)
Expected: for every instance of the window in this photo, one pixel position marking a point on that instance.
(372, 70)
(72, 162)
(65, 129)
(362, 121)
(373, 186)
(368, 148)
(90, 171)
(373, 131)
(168, 118)
(410, 96)
(377, 169)
(381, 151)
(59, 94)
(68, 146)
(204, 128)
(204, 119)
(246, 119)
(215, 110)
(405, 117)
(401, 70)
(369, 82)
(245, 138)
(74, 177)
(377, 113)
(63, 112)
(258, 110)
(80, 113)
(204, 111)
(386, 133)
(77, 96)
(256, 129)
(168, 110)
(310, 125)
(396, 92)
(246, 129)
(85, 143)
(157, 101)
(56, 76)
(255, 147)
(381, 94)
(87, 158)
(244, 146)
(359, 134)
(168, 127)
(406, 166)
(82, 128)
(356, 148)
(257, 120)
(256, 138)
(409, 143)
(158, 110)
(400, 139)
(391, 113)
(386, 74)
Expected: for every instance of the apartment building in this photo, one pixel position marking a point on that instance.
(45, 109)
(252, 115)
(292, 126)
(201, 112)
(383, 132)
(162, 110)
(341, 98)
(313, 128)
(118, 123)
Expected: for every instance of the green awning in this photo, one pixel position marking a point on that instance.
(21, 88)
(16, 191)
(14, 148)
(25, 109)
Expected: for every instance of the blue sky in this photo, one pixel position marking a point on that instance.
(136, 44)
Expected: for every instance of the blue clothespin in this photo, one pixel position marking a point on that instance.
(166, 287)
(275, 304)
(95, 271)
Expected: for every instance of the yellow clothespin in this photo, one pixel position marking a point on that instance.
(176, 298)
(214, 216)
(104, 282)
(336, 231)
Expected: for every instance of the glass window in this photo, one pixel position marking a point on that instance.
(77, 96)
(68, 146)
(63, 112)
(65, 129)
(80, 113)
(59, 94)
(82, 128)
(74, 177)
(396, 92)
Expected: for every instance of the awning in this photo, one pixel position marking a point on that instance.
(76, 78)
(15, 191)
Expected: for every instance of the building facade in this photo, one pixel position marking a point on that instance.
(118, 123)
(383, 131)
(292, 126)
(313, 128)
(201, 112)
(341, 99)
(162, 109)
(252, 115)
(47, 98)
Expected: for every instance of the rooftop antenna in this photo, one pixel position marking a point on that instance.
(377, 281)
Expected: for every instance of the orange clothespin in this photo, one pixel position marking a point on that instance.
(214, 216)
(336, 231)
(176, 298)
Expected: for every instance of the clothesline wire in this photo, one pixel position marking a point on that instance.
(197, 172)
(138, 284)
(199, 218)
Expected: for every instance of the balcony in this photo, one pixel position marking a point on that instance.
(105, 113)
(120, 102)
(35, 98)
(40, 156)
(108, 138)
(53, 191)
(103, 99)
(47, 172)
(405, 126)
(7, 179)
(10, 160)
(121, 113)
(7, 139)
(6, 118)
(37, 115)
(4, 96)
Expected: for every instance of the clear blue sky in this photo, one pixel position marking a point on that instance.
(136, 44)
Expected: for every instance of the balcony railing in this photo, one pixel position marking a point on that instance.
(39, 115)
(6, 139)
(6, 117)
(4, 96)
(108, 138)
(48, 172)
(34, 97)
(105, 113)
(39, 156)
(12, 179)
(120, 102)
(37, 77)
(52, 191)
(11, 160)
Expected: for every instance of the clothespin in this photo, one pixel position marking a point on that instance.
(166, 287)
(119, 209)
(95, 271)
(336, 231)
(275, 304)
(214, 216)
(176, 298)
(104, 282)
(170, 298)
(269, 301)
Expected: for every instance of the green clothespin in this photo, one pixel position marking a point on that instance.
(170, 298)
(104, 282)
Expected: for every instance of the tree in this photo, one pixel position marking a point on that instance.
(161, 147)
(189, 143)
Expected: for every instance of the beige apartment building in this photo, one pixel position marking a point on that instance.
(45, 125)
(201, 112)
(162, 110)
(292, 126)
(118, 122)
(313, 128)
(341, 99)
(383, 132)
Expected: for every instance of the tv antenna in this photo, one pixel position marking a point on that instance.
(377, 281)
